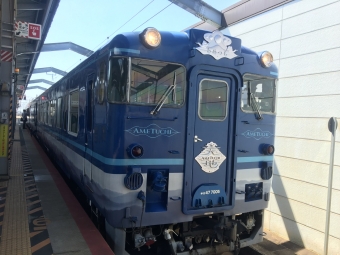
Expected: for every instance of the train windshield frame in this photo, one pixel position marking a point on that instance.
(258, 94)
(146, 82)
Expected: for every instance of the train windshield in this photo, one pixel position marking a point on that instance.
(146, 82)
(258, 94)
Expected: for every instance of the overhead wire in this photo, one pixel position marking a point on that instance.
(153, 16)
(115, 31)
(124, 23)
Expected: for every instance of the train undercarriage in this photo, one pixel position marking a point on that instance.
(207, 235)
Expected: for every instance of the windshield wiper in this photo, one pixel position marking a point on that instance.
(165, 95)
(255, 106)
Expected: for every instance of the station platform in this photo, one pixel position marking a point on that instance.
(39, 214)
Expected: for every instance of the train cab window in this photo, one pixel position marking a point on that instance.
(101, 83)
(146, 82)
(73, 112)
(59, 112)
(116, 90)
(150, 80)
(213, 98)
(258, 93)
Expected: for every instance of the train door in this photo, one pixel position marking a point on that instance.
(89, 129)
(208, 178)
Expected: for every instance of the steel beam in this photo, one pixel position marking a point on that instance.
(22, 65)
(248, 8)
(25, 47)
(30, 7)
(67, 46)
(48, 69)
(41, 80)
(241, 11)
(36, 87)
(203, 11)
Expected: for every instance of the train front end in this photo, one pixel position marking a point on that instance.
(191, 118)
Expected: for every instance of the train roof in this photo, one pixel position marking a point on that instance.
(179, 44)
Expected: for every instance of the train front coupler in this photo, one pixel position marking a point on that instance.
(206, 235)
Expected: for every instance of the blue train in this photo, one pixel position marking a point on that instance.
(170, 136)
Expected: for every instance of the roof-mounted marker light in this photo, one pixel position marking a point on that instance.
(266, 59)
(150, 37)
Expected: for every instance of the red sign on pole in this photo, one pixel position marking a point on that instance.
(27, 30)
(34, 31)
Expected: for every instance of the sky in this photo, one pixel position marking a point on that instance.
(91, 24)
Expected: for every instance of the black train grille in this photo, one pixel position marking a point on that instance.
(133, 181)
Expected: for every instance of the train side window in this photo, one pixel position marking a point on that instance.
(101, 84)
(59, 112)
(213, 100)
(258, 92)
(73, 112)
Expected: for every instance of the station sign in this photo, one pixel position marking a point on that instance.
(27, 30)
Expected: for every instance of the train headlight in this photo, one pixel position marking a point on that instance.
(266, 59)
(135, 150)
(150, 37)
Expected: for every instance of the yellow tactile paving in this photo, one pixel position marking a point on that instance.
(15, 237)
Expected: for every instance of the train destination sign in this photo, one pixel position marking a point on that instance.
(27, 30)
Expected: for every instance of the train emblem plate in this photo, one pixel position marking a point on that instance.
(210, 158)
(217, 45)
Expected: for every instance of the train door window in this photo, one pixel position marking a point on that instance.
(42, 112)
(89, 104)
(46, 113)
(65, 112)
(258, 92)
(73, 112)
(101, 84)
(59, 112)
(39, 113)
(51, 112)
(213, 97)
